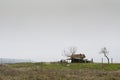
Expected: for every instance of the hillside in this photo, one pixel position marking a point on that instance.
(7, 60)
(57, 71)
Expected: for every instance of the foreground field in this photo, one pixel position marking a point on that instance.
(57, 71)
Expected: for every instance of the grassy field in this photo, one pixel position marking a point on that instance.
(57, 71)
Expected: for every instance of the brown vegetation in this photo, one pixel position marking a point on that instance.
(46, 72)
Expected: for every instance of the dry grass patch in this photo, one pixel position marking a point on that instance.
(30, 71)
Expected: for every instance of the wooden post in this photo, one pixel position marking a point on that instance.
(102, 60)
(111, 60)
(92, 60)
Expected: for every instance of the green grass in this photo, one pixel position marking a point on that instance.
(58, 71)
(96, 66)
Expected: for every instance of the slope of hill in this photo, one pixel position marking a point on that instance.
(57, 71)
(7, 60)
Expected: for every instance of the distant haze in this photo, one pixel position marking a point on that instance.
(41, 29)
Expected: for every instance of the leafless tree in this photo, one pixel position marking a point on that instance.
(105, 52)
(69, 51)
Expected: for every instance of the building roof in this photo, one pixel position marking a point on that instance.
(77, 56)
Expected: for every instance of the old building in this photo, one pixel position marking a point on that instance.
(77, 58)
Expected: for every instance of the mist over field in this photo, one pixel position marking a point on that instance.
(40, 30)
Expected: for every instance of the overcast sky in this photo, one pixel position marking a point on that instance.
(41, 29)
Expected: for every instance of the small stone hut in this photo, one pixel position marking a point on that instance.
(77, 58)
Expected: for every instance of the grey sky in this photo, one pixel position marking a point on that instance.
(41, 29)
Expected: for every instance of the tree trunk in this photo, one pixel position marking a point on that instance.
(107, 58)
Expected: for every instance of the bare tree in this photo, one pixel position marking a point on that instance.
(69, 51)
(105, 52)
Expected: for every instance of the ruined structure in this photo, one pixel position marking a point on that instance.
(78, 58)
